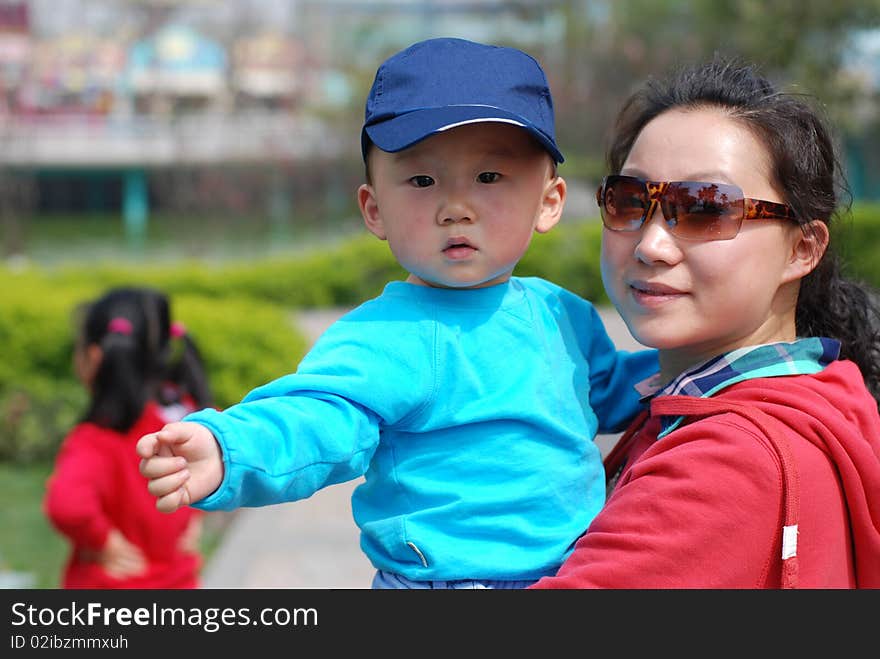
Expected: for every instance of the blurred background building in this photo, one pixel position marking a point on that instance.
(253, 107)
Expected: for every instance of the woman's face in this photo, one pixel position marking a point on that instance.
(696, 299)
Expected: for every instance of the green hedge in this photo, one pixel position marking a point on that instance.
(569, 256)
(241, 313)
(859, 243)
(343, 275)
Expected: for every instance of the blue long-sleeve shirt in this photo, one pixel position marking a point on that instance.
(471, 414)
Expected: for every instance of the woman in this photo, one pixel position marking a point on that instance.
(758, 464)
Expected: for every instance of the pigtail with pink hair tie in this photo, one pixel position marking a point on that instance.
(120, 325)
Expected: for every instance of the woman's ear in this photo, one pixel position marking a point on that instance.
(552, 205)
(810, 243)
(370, 211)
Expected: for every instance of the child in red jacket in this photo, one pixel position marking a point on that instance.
(95, 496)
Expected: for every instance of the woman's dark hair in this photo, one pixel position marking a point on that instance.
(806, 170)
(132, 326)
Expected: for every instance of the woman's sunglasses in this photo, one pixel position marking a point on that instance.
(693, 210)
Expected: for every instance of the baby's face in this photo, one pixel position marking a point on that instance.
(459, 208)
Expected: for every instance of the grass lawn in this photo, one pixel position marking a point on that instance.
(32, 553)
(29, 547)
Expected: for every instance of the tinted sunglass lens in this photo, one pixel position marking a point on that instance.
(624, 204)
(703, 211)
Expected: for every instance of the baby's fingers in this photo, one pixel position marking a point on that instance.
(163, 441)
(147, 446)
(165, 485)
(171, 502)
(157, 467)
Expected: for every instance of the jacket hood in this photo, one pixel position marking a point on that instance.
(834, 411)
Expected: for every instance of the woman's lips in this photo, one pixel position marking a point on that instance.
(653, 293)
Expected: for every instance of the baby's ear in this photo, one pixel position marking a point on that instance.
(370, 211)
(552, 204)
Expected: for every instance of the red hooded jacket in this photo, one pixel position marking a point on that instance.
(708, 505)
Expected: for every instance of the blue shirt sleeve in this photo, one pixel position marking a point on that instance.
(319, 426)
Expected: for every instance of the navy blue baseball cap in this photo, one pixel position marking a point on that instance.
(438, 84)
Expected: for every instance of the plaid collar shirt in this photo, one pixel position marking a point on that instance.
(802, 356)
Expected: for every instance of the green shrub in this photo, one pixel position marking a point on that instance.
(569, 256)
(859, 243)
(341, 275)
(344, 275)
(244, 342)
(39, 398)
(35, 416)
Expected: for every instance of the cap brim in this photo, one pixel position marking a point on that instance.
(404, 130)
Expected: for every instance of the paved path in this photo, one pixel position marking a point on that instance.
(314, 543)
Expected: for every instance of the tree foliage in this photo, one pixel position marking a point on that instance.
(611, 46)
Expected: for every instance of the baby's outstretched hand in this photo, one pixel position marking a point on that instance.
(182, 463)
